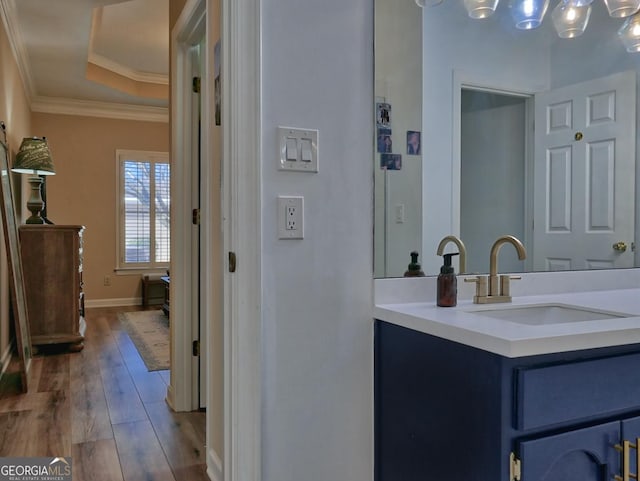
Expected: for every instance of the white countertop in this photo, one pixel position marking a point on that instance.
(516, 340)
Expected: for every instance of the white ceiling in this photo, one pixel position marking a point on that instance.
(55, 40)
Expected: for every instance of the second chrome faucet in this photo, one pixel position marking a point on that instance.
(494, 288)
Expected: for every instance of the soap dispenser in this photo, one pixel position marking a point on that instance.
(447, 283)
(414, 269)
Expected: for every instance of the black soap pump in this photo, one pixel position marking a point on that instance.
(447, 283)
(414, 269)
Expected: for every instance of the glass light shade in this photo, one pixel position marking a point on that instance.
(629, 33)
(570, 21)
(480, 8)
(528, 14)
(34, 157)
(622, 8)
(578, 3)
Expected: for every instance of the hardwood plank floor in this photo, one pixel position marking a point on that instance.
(104, 409)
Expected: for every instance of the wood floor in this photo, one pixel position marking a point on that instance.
(104, 409)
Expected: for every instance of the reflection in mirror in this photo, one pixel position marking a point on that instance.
(475, 89)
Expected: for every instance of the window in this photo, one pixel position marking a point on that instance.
(144, 198)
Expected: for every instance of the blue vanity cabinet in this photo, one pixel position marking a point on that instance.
(444, 410)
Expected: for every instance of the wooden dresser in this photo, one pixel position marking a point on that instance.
(52, 266)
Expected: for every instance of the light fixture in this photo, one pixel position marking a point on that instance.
(428, 3)
(629, 33)
(569, 20)
(528, 14)
(579, 3)
(622, 8)
(480, 8)
(34, 158)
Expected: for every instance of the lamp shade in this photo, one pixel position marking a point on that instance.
(428, 3)
(570, 21)
(34, 157)
(622, 8)
(480, 8)
(528, 14)
(630, 34)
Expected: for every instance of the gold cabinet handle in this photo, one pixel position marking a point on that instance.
(620, 246)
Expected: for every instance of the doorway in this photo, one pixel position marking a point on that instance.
(493, 176)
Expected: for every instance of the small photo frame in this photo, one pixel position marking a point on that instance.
(384, 141)
(414, 142)
(383, 115)
(391, 162)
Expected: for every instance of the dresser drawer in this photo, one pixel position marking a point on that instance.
(572, 391)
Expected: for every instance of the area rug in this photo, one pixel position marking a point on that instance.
(149, 331)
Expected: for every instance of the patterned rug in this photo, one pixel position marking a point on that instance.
(149, 331)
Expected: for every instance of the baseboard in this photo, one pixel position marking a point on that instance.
(170, 397)
(214, 466)
(6, 359)
(133, 301)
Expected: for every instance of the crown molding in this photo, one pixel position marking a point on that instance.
(112, 65)
(92, 108)
(135, 75)
(10, 21)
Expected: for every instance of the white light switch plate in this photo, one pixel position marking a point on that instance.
(306, 151)
(290, 217)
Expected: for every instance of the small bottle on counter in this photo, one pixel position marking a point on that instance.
(447, 295)
(414, 269)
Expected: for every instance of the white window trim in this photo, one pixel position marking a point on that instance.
(139, 155)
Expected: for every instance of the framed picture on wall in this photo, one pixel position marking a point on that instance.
(413, 142)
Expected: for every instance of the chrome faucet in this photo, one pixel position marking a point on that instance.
(462, 266)
(499, 289)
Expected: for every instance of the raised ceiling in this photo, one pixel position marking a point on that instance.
(100, 53)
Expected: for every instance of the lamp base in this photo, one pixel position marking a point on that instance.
(35, 204)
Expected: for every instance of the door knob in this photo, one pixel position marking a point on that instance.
(620, 246)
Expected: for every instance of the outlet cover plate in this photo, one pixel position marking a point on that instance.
(290, 217)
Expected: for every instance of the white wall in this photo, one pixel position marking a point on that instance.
(318, 292)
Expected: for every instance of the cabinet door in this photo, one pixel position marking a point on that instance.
(580, 455)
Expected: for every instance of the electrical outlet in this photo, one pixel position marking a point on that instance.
(290, 217)
(107, 280)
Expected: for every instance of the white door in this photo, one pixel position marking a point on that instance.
(584, 174)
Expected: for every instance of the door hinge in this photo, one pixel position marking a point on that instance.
(195, 348)
(232, 261)
(195, 216)
(195, 85)
(515, 468)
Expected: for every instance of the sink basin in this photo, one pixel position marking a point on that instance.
(545, 314)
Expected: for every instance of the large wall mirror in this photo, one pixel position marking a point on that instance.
(521, 132)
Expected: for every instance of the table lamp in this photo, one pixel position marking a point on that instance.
(34, 158)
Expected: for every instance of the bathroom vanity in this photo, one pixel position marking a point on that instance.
(544, 388)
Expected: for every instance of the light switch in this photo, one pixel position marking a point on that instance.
(297, 149)
(305, 146)
(292, 149)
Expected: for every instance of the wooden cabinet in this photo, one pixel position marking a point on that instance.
(444, 410)
(166, 304)
(52, 266)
